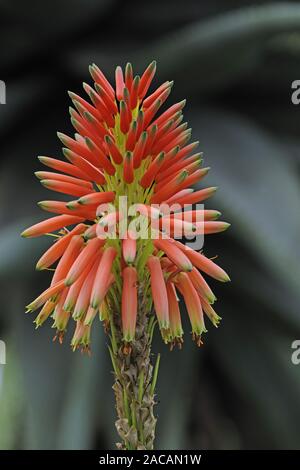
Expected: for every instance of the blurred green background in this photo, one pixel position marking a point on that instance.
(234, 60)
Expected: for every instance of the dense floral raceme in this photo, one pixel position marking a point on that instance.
(124, 146)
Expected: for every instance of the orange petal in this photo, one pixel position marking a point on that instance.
(197, 215)
(67, 260)
(61, 317)
(89, 251)
(129, 303)
(113, 150)
(146, 79)
(100, 78)
(128, 75)
(50, 225)
(120, 85)
(61, 207)
(209, 227)
(212, 315)
(201, 285)
(46, 295)
(129, 248)
(57, 249)
(45, 312)
(191, 197)
(174, 254)
(85, 166)
(81, 335)
(102, 277)
(134, 92)
(203, 263)
(128, 174)
(83, 299)
(75, 288)
(49, 175)
(97, 198)
(65, 188)
(192, 302)
(159, 292)
(64, 167)
(174, 312)
(156, 94)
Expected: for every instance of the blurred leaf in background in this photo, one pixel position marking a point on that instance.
(235, 62)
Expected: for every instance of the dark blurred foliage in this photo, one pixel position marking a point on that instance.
(234, 60)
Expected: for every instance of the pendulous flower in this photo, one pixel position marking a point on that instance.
(124, 146)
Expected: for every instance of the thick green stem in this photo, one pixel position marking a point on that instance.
(135, 380)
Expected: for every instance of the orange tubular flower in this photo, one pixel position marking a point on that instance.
(124, 146)
(58, 248)
(102, 277)
(129, 303)
(174, 313)
(193, 305)
(129, 248)
(83, 299)
(68, 258)
(174, 254)
(51, 225)
(159, 292)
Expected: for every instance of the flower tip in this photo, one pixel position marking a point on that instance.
(216, 215)
(25, 234)
(188, 268)
(152, 66)
(39, 267)
(71, 205)
(211, 191)
(68, 306)
(94, 304)
(165, 332)
(226, 225)
(128, 338)
(61, 136)
(68, 282)
(86, 87)
(211, 298)
(217, 321)
(225, 278)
